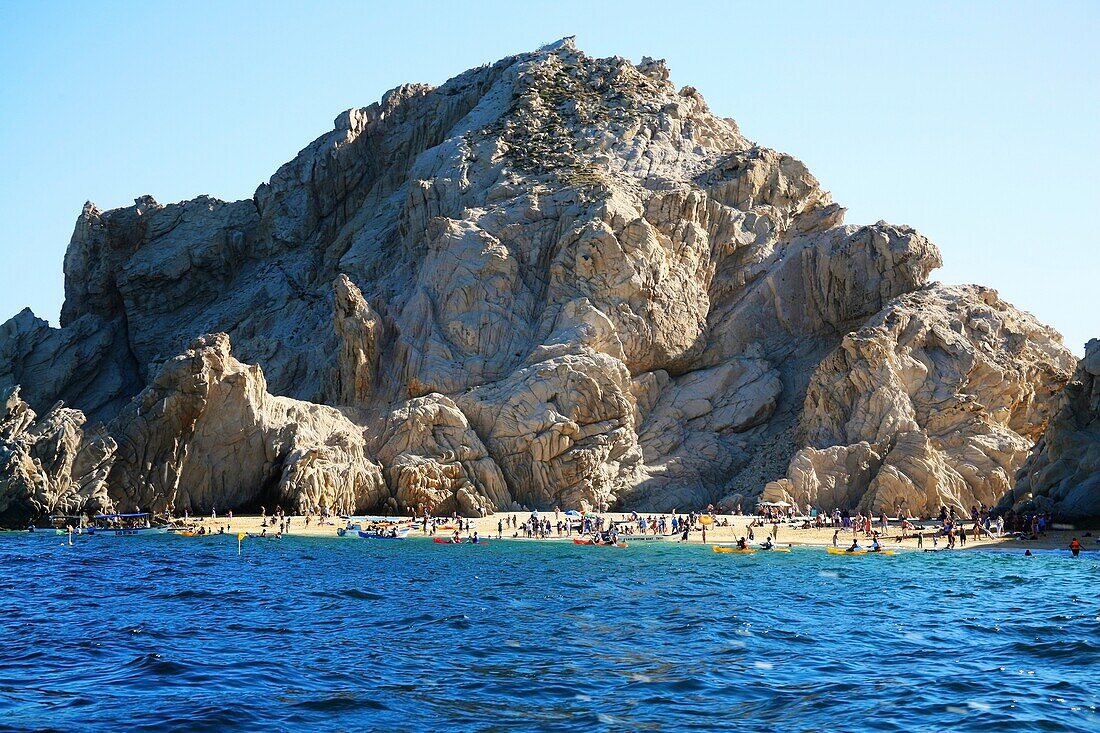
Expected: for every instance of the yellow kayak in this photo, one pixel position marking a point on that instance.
(728, 548)
(839, 551)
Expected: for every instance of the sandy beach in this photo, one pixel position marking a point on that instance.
(788, 534)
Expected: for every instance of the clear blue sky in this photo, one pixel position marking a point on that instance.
(977, 125)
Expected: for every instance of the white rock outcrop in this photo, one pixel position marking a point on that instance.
(935, 402)
(434, 460)
(207, 435)
(50, 464)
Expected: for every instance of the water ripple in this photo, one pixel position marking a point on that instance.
(303, 634)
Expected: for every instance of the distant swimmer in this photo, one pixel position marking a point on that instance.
(1027, 553)
(1075, 547)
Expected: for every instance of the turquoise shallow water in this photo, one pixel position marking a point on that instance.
(165, 633)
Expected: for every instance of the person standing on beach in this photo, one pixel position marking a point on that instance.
(920, 540)
(836, 538)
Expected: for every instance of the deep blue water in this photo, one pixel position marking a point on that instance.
(165, 633)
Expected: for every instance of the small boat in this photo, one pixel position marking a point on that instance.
(375, 528)
(393, 533)
(732, 549)
(841, 551)
(453, 541)
(597, 544)
(647, 537)
(124, 525)
(349, 531)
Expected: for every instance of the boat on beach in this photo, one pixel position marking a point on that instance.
(384, 533)
(597, 544)
(355, 526)
(124, 525)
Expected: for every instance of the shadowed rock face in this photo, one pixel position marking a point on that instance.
(550, 279)
(1062, 473)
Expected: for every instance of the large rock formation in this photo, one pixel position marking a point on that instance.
(550, 279)
(1062, 474)
(50, 465)
(206, 434)
(935, 402)
(435, 461)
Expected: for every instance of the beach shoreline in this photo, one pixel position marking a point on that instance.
(788, 534)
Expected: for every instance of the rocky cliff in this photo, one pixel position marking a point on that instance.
(934, 402)
(1062, 474)
(550, 279)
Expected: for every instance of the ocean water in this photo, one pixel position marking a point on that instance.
(166, 633)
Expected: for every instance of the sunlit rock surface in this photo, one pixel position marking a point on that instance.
(553, 278)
